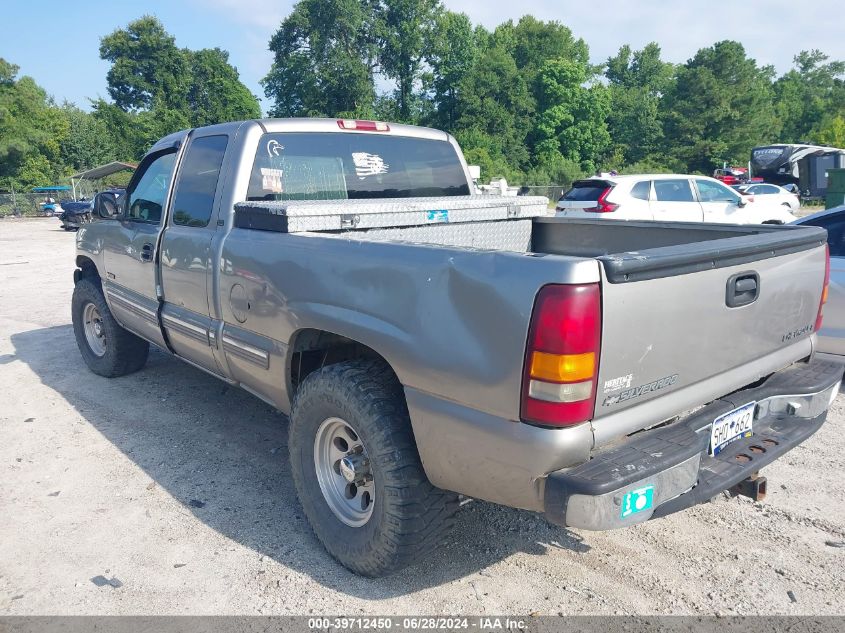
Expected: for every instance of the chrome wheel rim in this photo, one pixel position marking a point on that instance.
(95, 333)
(343, 472)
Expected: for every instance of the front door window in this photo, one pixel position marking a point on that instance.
(147, 198)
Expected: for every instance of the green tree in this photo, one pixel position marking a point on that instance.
(532, 42)
(89, 141)
(637, 81)
(215, 92)
(133, 133)
(571, 120)
(36, 171)
(808, 94)
(406, 26)
(167, 86)
(147, 68)
(719, 108)
(494, 113)
(124, 130)
(640, 69)
(31, 131)
(831, 131)
(325, 55)
(453, 50)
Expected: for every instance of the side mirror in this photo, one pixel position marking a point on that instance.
(741, 203)
(105, 205)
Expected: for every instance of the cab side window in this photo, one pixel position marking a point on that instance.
(675, 190)
(197, 183)
(148, 195)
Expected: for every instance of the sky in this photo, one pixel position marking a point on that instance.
(57, 41)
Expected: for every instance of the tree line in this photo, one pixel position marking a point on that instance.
(522, 99)
(155, 88)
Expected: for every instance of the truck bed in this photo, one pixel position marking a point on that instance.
(628, 250)
(663, 295)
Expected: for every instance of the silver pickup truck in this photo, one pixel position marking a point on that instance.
(428, 343)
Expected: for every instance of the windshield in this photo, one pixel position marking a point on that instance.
(332, 166)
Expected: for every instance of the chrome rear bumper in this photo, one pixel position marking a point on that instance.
(670, 469)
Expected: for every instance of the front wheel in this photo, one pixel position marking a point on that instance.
(106, 347)
(357, 471)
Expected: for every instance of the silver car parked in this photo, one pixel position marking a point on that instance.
(831, 338)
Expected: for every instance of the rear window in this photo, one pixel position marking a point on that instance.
(338, 166)
(586, 190)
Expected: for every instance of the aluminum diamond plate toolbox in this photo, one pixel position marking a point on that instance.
(498, 235)
(296, 216)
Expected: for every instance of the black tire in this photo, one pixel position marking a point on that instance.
(124, 352)
(409, 514)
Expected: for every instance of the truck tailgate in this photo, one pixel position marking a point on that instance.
(682, 325)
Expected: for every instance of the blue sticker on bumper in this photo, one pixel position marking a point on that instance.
(637, 501)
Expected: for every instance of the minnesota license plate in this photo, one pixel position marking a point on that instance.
(732, 426)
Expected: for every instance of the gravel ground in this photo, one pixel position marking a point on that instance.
(176, 489)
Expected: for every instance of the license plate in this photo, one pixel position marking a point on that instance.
(732, 426)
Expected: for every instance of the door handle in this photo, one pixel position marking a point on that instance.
(742, 289)
(147, 252)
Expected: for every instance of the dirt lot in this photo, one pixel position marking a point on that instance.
(179, 488)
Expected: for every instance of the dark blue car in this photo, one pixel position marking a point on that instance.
(76, 213)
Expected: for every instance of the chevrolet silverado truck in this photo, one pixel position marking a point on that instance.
(427, 343)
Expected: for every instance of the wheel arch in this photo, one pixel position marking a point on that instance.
(310, 349)
(86, 269)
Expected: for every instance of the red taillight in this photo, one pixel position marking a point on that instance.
(561, 361)
(363, 126)
(825, 288)
(602, 205)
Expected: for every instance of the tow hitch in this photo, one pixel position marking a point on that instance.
(754, 487)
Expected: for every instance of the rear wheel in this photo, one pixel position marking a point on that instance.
(357, 471)
(106, 347)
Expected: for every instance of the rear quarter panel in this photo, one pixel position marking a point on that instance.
(450, 322)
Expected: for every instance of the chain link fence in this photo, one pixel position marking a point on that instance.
(29, 205)
(552, 192)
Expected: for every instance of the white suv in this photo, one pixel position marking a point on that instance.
(667, 197)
